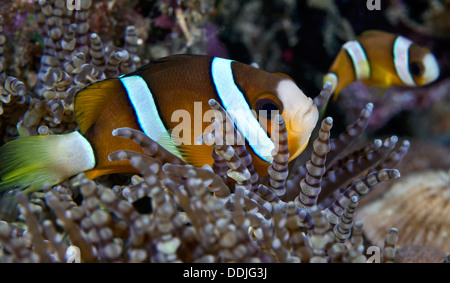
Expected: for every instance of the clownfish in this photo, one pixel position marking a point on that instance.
(382, 59)
(145, 100)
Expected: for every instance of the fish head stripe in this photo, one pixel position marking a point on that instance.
(401, 60)
(423, 66)
(359, 59)
(239, 110)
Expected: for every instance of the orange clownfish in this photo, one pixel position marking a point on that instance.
(382, 59)
(145, 100)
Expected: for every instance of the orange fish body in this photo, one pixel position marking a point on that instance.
(156, 99)
(382, 59)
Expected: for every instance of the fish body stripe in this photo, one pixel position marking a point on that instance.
(359, 59)
(237, 107)
(144, 105)
(401, 60)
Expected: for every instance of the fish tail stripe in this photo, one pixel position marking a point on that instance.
(401, 60)
(237, 107)
(359, 59)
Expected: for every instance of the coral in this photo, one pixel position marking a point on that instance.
(418, 205)
(419, 254)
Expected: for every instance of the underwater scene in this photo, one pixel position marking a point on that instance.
(225, 131)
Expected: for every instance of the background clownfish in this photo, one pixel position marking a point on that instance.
(145, 100)
(382, 59)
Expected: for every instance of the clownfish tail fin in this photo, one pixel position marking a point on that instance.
(31, 162)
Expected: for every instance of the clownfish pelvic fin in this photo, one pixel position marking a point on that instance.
(31, 162)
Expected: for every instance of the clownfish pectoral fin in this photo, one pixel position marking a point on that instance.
(31, 162)
(172, 144)
(90, 101)
(195, 155)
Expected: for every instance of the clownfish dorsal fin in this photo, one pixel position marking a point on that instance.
(284, 75)
(373, 32)
(90, 101)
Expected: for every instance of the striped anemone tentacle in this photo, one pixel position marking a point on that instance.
(394, 157)
(235, 139)
(148, 145)
(219, 165)
(352, 166)
(321, 100)
(237, 171)
(97, 51)
(359, 188)
(342, 229)
(215, 183)
(390, 243)
(351, 133)
(278, 170)
(310, 186)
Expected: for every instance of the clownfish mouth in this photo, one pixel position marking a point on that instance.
(301, 126)
(300, 114)
(306, 118)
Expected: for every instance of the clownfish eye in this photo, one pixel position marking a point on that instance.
(267, 108)
(416, 69)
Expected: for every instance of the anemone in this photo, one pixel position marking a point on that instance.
(201, 215)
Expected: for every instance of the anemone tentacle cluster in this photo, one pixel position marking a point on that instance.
(198, 215)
